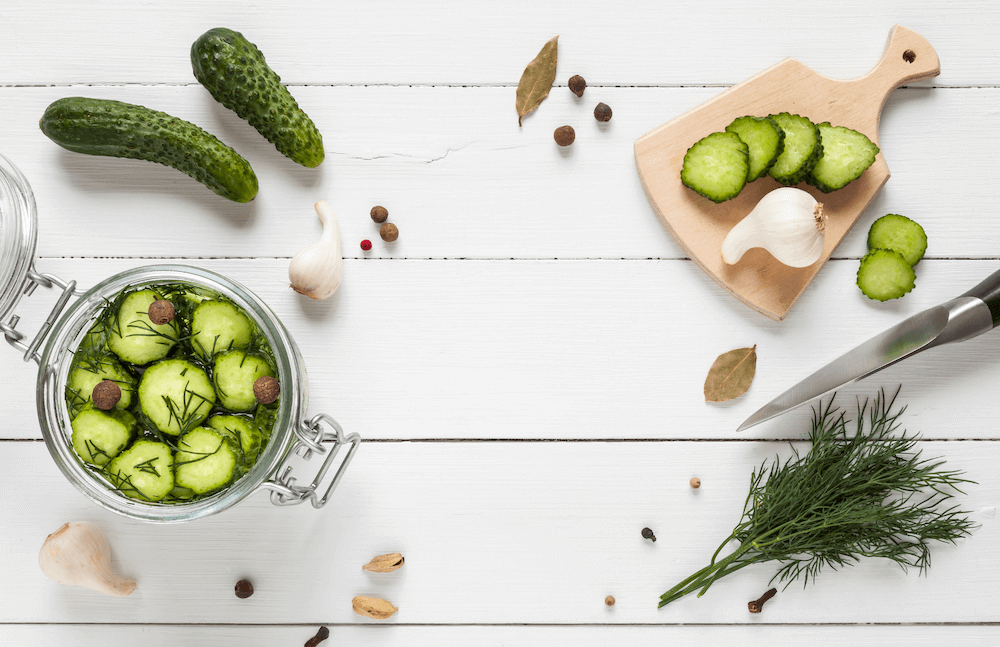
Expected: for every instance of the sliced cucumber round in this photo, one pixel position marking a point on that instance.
(717, 166)
(145, 471)
(205, 460)
(243, 432)
(176, 396)
(803, 147)
(218, 326)
(99, 436)
(91, 371)
(234, 373)
(765, 139)
(136, 339)
(885, 274)
(846, 155)
(900, 234)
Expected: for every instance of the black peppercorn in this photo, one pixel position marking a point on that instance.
(379, 214)
(577, 85)
(564, 135)
(648, 534)
(602, 112)
(244, 589)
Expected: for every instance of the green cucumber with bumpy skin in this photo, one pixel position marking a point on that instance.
(234, 71)
(116, 129)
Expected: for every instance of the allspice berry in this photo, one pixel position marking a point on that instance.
(577, 85)
(602, 112)
(564, 135)
(695, 482)
(106, 395)
(161, 312)
(610, 600)
(379, 214)
(266, 389)
(244, 589)
(389, 232)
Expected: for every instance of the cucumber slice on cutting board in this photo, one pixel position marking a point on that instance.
(846, 155)
(765, 140)
(802, 148)
(717, 166)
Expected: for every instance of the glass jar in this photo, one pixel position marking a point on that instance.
(53, 346)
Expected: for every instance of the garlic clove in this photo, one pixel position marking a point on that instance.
(787, 222)
(316, 271)
(78, 554)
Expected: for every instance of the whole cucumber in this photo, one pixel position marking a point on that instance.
(116, 129)
(234, 71)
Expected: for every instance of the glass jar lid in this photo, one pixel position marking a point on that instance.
(18, 234)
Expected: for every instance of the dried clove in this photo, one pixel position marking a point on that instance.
(648, 534)
(320, 636)
(244, 589)
(757, 605)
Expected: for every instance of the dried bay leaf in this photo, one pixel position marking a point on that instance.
(731, 374)
(537, 79)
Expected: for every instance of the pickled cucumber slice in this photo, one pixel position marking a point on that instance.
(145, 471)
(88, 372)
(234, 374)
(765, 139)
(175, 395)
(885, 274)
(218, 326)
(717, 166)
(242, 431)
(846, 155)
(900, 234)
(205, 461)
(136, 339)
(802, 148)
(99, 436)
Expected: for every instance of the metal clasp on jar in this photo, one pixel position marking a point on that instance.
(311, 439)
(15, 337)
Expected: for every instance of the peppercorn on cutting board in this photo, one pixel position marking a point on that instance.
(700, 225)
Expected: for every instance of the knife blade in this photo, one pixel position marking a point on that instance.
(975, 312)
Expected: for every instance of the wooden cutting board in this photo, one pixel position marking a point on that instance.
(700, 225)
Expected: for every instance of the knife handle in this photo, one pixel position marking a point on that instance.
(989, 292)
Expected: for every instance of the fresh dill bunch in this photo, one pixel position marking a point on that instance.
(865, 494)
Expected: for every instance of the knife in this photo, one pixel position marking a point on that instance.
(975, 312)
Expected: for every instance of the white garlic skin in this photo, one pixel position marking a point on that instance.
(787, 222)
(78, 554)
(317, 270)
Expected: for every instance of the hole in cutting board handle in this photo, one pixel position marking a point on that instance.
(909, 56)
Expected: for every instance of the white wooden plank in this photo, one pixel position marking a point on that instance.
(491, 533)
(573, 349)
(439, 42)
(241, 636)
(461, 180)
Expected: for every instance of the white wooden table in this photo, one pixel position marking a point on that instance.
(525, 364)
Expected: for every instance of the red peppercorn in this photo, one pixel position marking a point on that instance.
(366, 245)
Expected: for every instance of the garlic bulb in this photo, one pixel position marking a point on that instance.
(787, 222)
(78, 554)
(316, 271)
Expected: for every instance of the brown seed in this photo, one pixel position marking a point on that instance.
(266, 389)
(610, 600)
(389, 232)
(564, 135)
(384, 563)
(161, 312)
(602, 112)
(106, 395)
(756, 606)
(373, 607)
(244, 589)
(577, 85)
(379, 214)
(695, 482)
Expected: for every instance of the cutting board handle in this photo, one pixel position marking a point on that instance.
(907, 58)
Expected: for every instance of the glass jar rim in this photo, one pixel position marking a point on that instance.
(18, 234)
(53, 372)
